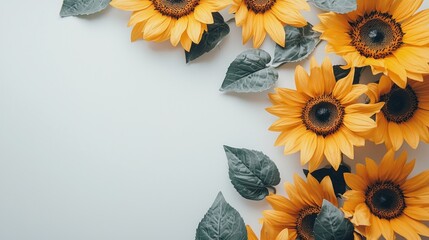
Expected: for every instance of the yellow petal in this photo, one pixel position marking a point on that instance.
(241, 15)
(308, 147)
(137, 32)
(141, 16)
(186, 42)
(404, 229)
(280, 203)
(194, 29)
(396, 71)
(130, 5)
(361, 216)
(387, 166)
(418, 213)
(328, 190)
(154, 29)
(418, 21)
(372, 170)
(328, 75)
(369, 109)
(383, 5)
(258, 30)
(277, 218)
(355, 182)
(155, 26)
(345, 146)
(352, 198)
(283, 235)
(374, 230)
(332, 152)
(344, 86)
(357, 90)
(416, 182)
(302, 81)
(274, 28)
(410, 136)
(287, 15)
(395, 135)
(404, 9)
(203, 14)
(250, 233)
(318, 154)
(359, 122)
(405, 55)
(386, 229)
(248, 28)
(316, 84)
(178, 29)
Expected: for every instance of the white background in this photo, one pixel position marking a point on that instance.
(101, 138)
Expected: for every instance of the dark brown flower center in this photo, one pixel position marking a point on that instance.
(400, 104)
(305, 222)
(175, 8)
(259, 6)
(323, 115)
(376, 35)
(385, 200)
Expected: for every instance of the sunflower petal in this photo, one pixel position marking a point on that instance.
(403, 9)
(130, 5)
(274, 28)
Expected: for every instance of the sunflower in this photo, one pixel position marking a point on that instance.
(384, 34)
(405, 115)
(294, 217)
(383, 201)
(259, 17)
(182, 21)
(321, 117)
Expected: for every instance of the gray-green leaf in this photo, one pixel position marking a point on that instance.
(330, 224)
(82, 7)
(221, 222)
(251, 172)
(300, 43)
(338, 6)
(215, 33)
(249, 73)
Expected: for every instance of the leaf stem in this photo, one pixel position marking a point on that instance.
(273, 189)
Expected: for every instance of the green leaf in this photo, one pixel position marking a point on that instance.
(342, 73)
(337, 177)
(82, 7)
(330, 224)
(300, 43)
(251, 172)
(338, 6)
(221, 222)
(215, 33)
(249, 73)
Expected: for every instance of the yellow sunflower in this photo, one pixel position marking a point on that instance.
(283, 235)
(383, 201)
(294, 217)
(181, 21)
(322, 117)
(384, 34)
(405, 114)
(259, 17)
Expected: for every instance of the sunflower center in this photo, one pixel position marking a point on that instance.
(175, 8)
(376, 35)
(305, 222)
(385, 200)
(259, 6)
(323, 115)
(400, 104)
